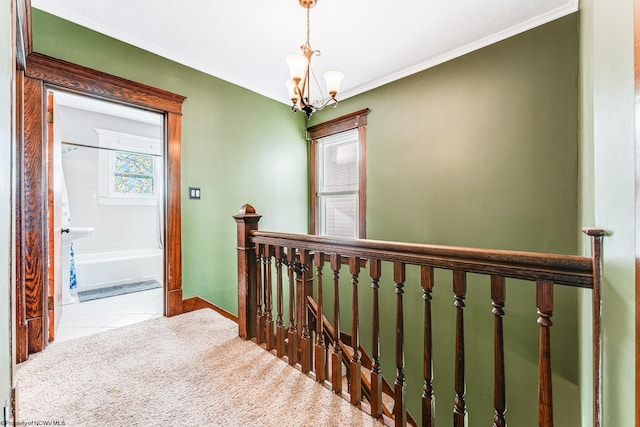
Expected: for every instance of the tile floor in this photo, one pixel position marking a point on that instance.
(90, 317)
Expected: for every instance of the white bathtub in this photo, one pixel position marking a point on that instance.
(96, 270)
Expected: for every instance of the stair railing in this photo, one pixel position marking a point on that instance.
(306, 343)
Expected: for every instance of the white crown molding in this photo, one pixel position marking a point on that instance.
(560, 12)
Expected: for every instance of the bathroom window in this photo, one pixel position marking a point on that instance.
(133, 174)
(129, 168)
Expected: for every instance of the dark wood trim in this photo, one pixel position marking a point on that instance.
(561, 269)
(362, 185)
(46, 72)
(314, 220)
(173, 221)
(339, 124)
(355, 120)
(197, 303)
(32, 205)
(313, 188)
(596, 236)
(247, 222)
(23, 32)
(91, 82)
(50, 238)
(14, 406)
(22, 347)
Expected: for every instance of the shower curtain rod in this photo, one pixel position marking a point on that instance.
(75, 144)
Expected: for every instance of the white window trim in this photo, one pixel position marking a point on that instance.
(112, 142)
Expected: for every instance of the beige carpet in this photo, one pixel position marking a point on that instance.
(186, 370)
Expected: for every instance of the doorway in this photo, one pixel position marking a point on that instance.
(107, 169)
(33, 227)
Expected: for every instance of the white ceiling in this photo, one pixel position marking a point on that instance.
(372, 42)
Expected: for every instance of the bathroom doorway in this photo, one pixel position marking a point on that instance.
(35, 304)
(107, 169)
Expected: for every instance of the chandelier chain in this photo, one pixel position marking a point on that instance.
(308, 29)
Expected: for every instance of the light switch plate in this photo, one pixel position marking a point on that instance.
(194, 193)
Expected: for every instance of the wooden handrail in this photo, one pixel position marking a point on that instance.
(561, 269)
(301, 253)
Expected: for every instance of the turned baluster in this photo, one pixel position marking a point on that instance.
(305, 337)
(355, 385)
(498, 295)
(459, 291)
(375, 271)
(544, 302)
(327, 358)
(292, 333)
(428, 414)
(400, 388)
(320, 361)
(260, 317)
(281, 331)
(336, 357)
(268, 336)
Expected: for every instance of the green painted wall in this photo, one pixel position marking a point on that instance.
(6, 225)
(239, 147)
(607, 197)
(481, 151)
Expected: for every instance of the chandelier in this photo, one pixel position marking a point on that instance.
(300, 71)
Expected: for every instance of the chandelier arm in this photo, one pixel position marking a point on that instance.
(325, 103)
(315, 79)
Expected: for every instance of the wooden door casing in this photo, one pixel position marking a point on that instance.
(54, 296)
(31, 202)
(43, 72)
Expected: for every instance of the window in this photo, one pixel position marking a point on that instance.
(132, 174)
(338, 176)
(129, 168)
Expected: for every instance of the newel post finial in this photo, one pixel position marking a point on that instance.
(247, 222)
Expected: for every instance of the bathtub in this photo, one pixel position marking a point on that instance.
(96, 270)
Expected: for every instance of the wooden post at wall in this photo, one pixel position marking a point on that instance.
(33, 262)
(247, 221)
(22, 348)
(173, 222)
(596, 236)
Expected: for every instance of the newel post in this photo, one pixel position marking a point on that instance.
(247, 222)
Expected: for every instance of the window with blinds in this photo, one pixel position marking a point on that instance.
(338, 176)
(338, 184)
